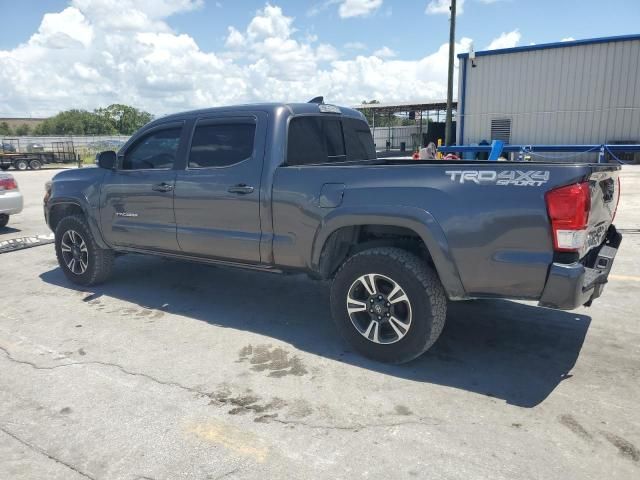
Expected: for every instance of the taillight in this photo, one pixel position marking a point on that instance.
(8, 183)
(568, 209)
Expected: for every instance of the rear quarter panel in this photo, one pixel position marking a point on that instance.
(497, 236)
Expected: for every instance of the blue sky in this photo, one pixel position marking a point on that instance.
(399, 24)
(253, 50)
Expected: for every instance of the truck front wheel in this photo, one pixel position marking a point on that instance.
(389, 304)
(21, 165)
(79, 257)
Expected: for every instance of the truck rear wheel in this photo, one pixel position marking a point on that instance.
(4, 168)
(4, 220)
(80, 258)
(35, 164)
(389, 304)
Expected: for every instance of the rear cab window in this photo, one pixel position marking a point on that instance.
(316, 139)
(221, 144)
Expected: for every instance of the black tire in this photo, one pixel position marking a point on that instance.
(35, 164)
(4, 168)
(99, 262)
(21, 165)
(427, 303)
(4, 220)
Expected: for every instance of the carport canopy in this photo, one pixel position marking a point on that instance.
(391, 108)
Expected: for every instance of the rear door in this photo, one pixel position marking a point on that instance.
(217, 196)
(137, 198)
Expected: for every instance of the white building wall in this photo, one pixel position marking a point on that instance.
(568, 95)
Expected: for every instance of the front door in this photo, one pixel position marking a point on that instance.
(137, 198)
(217, 196)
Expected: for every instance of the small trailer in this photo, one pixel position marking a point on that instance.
(34, 155)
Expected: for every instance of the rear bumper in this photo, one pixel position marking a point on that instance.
(11, 202)
(569, 286)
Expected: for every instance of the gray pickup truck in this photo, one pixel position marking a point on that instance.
(298, 188)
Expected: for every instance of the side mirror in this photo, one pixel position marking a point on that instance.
(107, 159)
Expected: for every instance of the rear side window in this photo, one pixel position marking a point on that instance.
(221, 145)
(156, 150)
(358, 138)
(315, 139)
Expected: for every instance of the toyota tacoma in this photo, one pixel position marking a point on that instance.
(298, 188)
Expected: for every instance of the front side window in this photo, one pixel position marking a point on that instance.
(221, 145)
(155, 151)
(315, 140)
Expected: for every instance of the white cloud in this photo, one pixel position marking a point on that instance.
(235, 39)
(66, 29)
(270, 22)
(436, 7)
(505, 40)
(568, 39)
(79, 58)
(347, 8)
(358, 8)
(384, 52)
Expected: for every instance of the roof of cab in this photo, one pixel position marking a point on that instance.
(294, 109)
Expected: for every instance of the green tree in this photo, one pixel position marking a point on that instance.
(116, 118)
(75, 122)
(23, 130)
(5, 129)
(124, 118)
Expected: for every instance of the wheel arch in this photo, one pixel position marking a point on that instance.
(61, 208)
(338, 237)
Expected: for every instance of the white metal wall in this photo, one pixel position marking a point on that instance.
(569, 95)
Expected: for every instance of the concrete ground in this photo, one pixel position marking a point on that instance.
(174, 370)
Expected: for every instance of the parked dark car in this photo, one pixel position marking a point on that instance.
(298, 188)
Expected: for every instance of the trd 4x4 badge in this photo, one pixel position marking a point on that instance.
(518, 178)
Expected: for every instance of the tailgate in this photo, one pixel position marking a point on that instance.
(604, 186)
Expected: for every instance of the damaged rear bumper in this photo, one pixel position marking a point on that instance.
(570, 285)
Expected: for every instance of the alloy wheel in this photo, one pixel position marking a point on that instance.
(379, 308)
(74, 252)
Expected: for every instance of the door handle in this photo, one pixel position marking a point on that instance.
(162, 187)
(241, 188)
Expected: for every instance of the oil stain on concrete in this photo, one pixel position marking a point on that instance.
(277, 361)
(247, 402)
(625, 447)
(572, 424)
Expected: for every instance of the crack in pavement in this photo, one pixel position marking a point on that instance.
(42, 451)
(106, 364)
(360, 426)
(227, 474)
(353, 428)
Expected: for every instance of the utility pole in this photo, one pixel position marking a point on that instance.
(448, 137)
